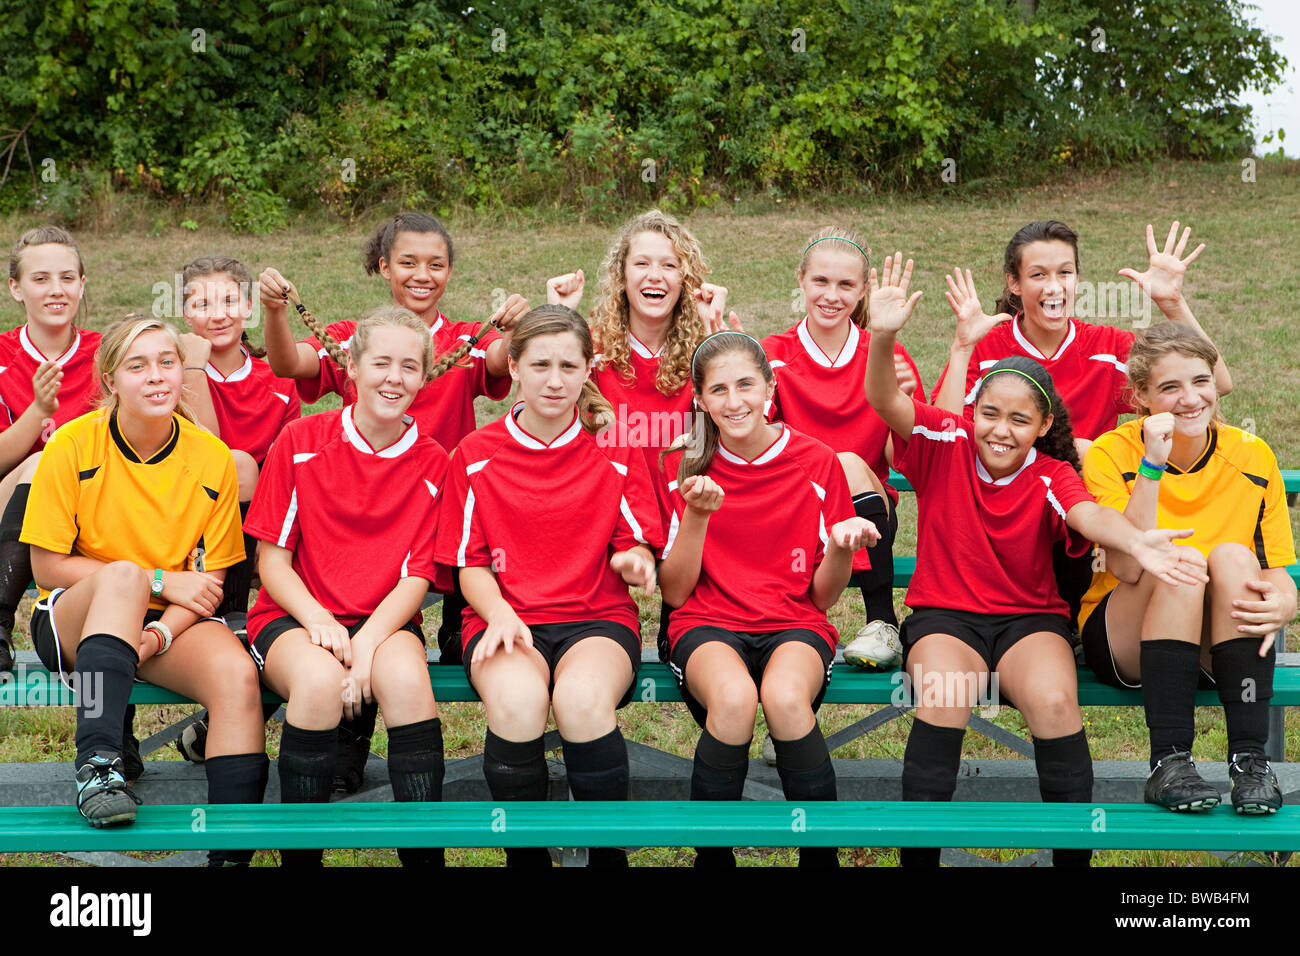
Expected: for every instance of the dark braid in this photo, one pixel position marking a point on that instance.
(322, 335)
(1058, 443)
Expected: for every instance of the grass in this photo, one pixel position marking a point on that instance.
(1242, 290)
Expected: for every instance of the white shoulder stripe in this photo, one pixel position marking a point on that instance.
(281, 396)
(303, 456)
(1051, 498)
(476, 466)
(1109, 359)
(672, 536)
(631, 520)
(620, 468)
(433, 489)
(289, 516)
(950, 436)
(465, 528)
(821, 492)
(405, 564)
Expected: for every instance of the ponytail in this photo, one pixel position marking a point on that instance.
(450, 359)
(335, 350)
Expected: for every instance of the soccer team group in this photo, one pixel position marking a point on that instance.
(181, 469)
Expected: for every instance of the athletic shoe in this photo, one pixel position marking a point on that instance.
(1175, 785)
(350, 758)
(769, 751)
(6, 655)
(132, 765)
(103, 796)
(876, 648)
(1254, 785)
(193, 741)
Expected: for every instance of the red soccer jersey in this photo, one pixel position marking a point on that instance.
(646, 417)
(766, 541)
(252, 405)
(985, 545)
(444, 407)
(357, 520)
(546, 519)
(1088, 370)
(78, 392)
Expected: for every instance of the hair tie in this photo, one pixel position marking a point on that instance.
(696, 353)
(1025, 375)
(841, 239)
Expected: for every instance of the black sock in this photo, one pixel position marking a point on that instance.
(235, 778)
(804, 766)
(234, 590)
(105, 668)
(719, 774)
(1169, 674)
(306, 771)
(877, 584)
(1245, 683)
(15, 560)
(929, 773)
(597, 770)
(352, 748)
(453, 607)
(516, 770)
(416, 769)
(1065, 776)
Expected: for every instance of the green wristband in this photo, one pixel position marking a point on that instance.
(1146, 471)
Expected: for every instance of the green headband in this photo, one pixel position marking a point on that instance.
(714, 336)
(841, 239)
(1025, 375)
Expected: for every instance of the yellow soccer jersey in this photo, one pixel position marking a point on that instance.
(1233, 492)
(93, 496)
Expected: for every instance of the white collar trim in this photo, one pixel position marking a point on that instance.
(643, 350)
(768, 454)
(528, 441)
(30, 348)
(1006, 479)
(1029, 347)
(815, 352)
(392, 451)
(238, 375)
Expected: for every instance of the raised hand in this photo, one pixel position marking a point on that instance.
(273, 289)
(45, 388)
(906, 378)
(196, 349)
(1158, 437)
(701, 493)
(1163, 278)
(853, 533)
(888, 304)
(973, 323)
(566, 289)
(711, 304)
(511, 311)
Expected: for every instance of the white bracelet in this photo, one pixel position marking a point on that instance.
(162, 631)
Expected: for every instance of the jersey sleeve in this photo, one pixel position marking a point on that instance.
(1274, 543)
(935, 437)
(50, 521)
(331, 378)
(671, 503)
(495, 387)
(639, 520)
(421, 562)
(1064, 491)
(223, 536)
(273, 512)
(837, 504)
(461, 540)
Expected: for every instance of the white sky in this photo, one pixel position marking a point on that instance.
(1281, 108)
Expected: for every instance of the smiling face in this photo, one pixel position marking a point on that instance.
(652, 278)
(1007, 423)
(734, 395)
(1046, 284)
(148, 381)
(417, 272)
(550, 371)
(48, 284)
(1184, 386)
(833, 282)
(217, 308)
(389, 374)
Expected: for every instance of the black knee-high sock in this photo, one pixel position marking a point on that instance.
(929, 773)
(1169, 675)
(597, 770)
(453, 606)
(877, 584)
(15, 560)
(416, 769)
(106, 667)
(804, 766)
(236, 778)
(306, 770)
(719, 774)
(517, 771)
(1245, 683)
(239, 578)
(1065, 776)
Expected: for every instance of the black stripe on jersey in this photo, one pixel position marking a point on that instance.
(1260, 554)
(1129, 475)
(88, 473)
(211, 492)
(129, 453)
(1205, 455)
(1262, 482)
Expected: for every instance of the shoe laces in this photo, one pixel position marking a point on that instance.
(109, 778)
(1251, 763)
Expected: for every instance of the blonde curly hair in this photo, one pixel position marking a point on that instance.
(611, 318)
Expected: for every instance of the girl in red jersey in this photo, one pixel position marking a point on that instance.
(46, 378)
(1086, 361)
(336, 624)
(653, 310)
(750, 625)
(550, 623)
(819, 366)
(994, 493)
(122, 498)
(1181, 464)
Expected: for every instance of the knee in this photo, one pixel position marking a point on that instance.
(1231, 564)
(523, 710)
(784, 702)
(125, 581)
(235, 684)
(246, 472)
(319, 687)
(27, 468)
(582, 704)
(734, 700)
(1055, 712)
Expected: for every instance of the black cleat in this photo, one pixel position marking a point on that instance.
(1254, 785)
(1175, 785)
(132, 765)
(6, 655)
(193, 741)
(103, 796)
(350, 760)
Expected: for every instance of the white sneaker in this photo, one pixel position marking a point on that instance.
(876, 648)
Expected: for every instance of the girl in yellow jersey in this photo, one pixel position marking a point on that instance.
(133, 517)
(1178, 465)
